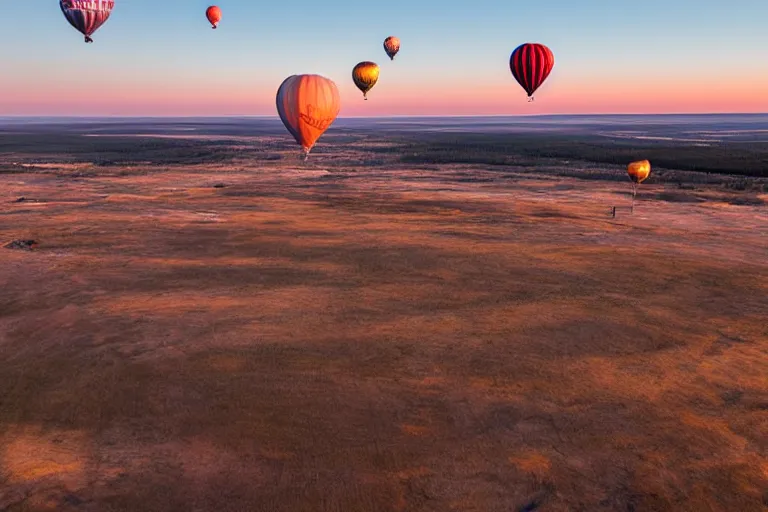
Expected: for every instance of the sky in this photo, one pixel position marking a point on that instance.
(161, 58)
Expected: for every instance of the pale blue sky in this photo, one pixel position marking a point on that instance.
(166, 46)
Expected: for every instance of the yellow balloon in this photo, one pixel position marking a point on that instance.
(639, 171)
(365, 75)
(307, 105)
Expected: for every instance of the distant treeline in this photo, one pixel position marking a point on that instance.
(735, 158)
(107, 151)
(742, 158)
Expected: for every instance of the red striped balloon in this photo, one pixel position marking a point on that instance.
(87, 15)
(531, 64)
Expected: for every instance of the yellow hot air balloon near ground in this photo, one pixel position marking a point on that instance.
(307, 105)
(638, 172)
(365, 75)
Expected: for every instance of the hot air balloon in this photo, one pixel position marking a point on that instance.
(307, 105)
(531, 64)
(87, 15)
(365, 75)
(391, 46)
(638, 172)
(213, 13)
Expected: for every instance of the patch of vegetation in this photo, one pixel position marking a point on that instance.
(115, 151)
(733, 164)
(507, 149)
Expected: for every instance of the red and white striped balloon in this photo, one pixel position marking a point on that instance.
(87, 15)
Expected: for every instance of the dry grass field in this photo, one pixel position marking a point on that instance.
(258, 334)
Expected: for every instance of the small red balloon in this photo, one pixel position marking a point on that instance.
(213, 13)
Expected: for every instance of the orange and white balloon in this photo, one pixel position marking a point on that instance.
(308, 105)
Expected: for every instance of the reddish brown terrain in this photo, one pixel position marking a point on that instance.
(333, 336)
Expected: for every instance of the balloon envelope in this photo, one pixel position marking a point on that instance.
(307, 105)
(531, 64)
(87, 15)
(213, 13)
(639, 171)
(365, 75)
(392, 46)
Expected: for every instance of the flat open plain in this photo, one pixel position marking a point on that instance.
(342, 337)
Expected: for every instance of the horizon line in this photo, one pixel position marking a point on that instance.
(401, 116)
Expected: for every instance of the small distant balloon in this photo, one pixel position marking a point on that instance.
(392, 46)
(531, 64)
(639, 171)
(86, 15)
(365, 75)
(213, 13)
(307, 105)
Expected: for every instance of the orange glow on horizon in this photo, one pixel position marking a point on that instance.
(554, 97)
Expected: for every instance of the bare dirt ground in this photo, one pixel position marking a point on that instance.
(398, 339)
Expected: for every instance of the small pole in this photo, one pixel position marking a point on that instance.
(634, 191)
